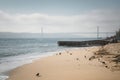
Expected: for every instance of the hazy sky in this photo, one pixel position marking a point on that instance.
(59, 15)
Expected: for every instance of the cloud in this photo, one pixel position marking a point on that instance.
(107, 20)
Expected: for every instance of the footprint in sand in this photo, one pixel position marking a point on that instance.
(77, 58)
(59, 53)
(70, 53)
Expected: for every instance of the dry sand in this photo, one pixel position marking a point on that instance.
(72, 64)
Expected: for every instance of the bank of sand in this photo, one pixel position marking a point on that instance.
(75, 64)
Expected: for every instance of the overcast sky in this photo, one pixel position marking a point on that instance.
(57, 16)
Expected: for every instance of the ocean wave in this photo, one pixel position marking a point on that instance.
(3, 77)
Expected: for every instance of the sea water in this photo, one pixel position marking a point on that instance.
(15, 52)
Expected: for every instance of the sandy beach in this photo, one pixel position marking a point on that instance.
(91, 63)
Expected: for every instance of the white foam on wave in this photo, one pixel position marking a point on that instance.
(3, 77)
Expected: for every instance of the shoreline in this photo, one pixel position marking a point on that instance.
(5, 73)
(73, 64)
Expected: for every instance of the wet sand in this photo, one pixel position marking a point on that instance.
(74, 64)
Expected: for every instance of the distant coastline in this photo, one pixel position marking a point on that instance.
(49, 35)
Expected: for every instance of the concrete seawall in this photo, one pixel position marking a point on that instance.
(82, 43)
